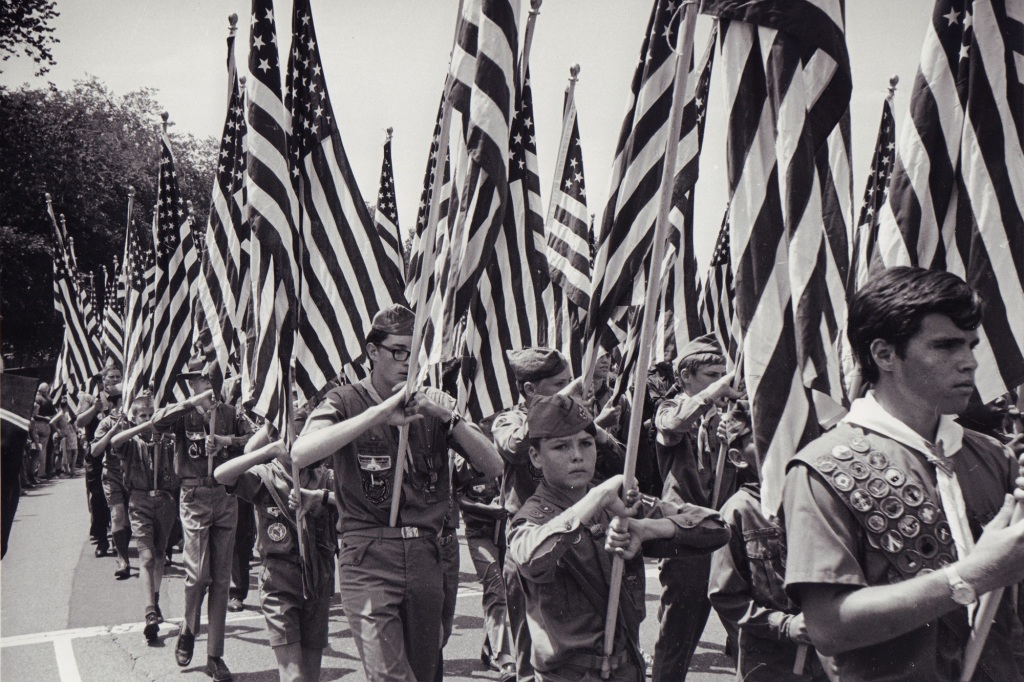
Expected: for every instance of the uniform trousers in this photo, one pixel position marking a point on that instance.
(488, 569)
(515, 605)
(208, 519)
(241, 557)
(392, 592)
(683, 613)
(99, 511)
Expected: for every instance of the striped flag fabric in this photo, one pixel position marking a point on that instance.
(80, 358)
(509, 311)
(626, 234)
(956, 198)
(271, 212)
(482, 88)
(386, 215)
(866, 258)
(223, 287)
(782, 111)
(716, 296)
(347, 275)
(680, 292)
(113, 317)
(137, 269)
(568, 242)
(177, 268)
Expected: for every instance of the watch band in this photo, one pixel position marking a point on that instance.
(961, 591)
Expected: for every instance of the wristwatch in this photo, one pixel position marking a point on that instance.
(456, 418)
(960, 590)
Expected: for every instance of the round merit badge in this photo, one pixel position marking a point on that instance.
(842, 452)
(878, 488)
(876, 522)
(859, 470)
(860, 444)
(842, 481)
(277, 532)
(878, 460)
(861, 501)
(891, 542)
(909, 526)
(929, 513)
(895, 477)
(909, 561)
(892, 507)
(912, 495)
(825, 464)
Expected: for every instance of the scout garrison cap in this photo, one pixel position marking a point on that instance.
(700, 345)
(197, 367)
(534, 364)
(556, 416)
(394, 319)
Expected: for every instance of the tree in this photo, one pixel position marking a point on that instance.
(25, 27)
(84, 146)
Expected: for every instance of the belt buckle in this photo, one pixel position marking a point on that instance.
(410, 532)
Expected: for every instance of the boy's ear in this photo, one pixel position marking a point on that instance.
(535, 457)
(736, 457)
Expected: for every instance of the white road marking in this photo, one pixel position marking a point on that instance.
(67, 667)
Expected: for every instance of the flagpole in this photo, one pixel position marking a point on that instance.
(683, 48)
(531, 19)
(426, 266)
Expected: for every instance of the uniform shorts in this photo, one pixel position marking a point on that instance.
(152, 518)
(291, 619)
(114, 492)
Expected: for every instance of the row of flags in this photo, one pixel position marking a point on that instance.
(295, 266)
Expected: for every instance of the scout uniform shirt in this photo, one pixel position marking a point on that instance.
(190, 430)
(148, 465)
(565, 574)
(863, 508)
(685, 453)
(364, 470)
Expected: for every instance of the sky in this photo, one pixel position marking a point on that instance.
(385, 62)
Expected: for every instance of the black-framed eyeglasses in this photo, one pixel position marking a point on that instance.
(399, 354)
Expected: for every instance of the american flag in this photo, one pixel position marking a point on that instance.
(956, 200)
(347, 275)
(568, 234)
(224, 287)
(177, 266)
(113, 315)
(627, 225)
(509, 311)
(679, 294)
(137, 315)
(716, 296)
(80, 357)
(483, 86)
(272, 215)
(866, 259)
(780, 120)
(386, 215)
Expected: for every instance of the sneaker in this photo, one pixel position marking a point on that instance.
(235, 605)
(508, 673)
(183, 649)
(152, 627)
(217, 669)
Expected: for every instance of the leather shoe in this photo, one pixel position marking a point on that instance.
(101, 552)
(183, 649)
(235, 605)
(216, 668)
(152, 627)
(124, 570)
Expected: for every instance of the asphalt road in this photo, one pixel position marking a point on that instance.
(63, 616)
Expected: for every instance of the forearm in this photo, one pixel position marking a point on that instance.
(124, 436)
(85, 416)
(259, 439)
(679, 415)
(312, 447)
(229, 472)
(478, 449)
(100, 445)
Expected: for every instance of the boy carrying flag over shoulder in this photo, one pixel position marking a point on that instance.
(564, 537)
(297, 620)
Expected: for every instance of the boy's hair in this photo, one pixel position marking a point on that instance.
(693, 363)
(892, 305)
(535, 442)
(375, 336)
(140, 401)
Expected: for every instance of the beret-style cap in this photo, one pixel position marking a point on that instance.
(556, 416)
(700, 345)
(534, 364)
(394, 319)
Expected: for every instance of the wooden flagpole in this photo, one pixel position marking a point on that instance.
(528, 39)
(683, 48)
(426, 268)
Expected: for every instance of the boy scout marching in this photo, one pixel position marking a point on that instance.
(811, 428)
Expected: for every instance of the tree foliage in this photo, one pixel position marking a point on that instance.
(25, 28)
(85, 146)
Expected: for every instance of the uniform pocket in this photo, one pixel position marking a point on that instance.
(353, 549)
(188, 494)
(766, 554)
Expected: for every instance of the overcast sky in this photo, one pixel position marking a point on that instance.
(386, 60)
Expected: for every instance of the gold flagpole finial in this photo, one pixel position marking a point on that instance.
(164, 115)
(893, 82)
